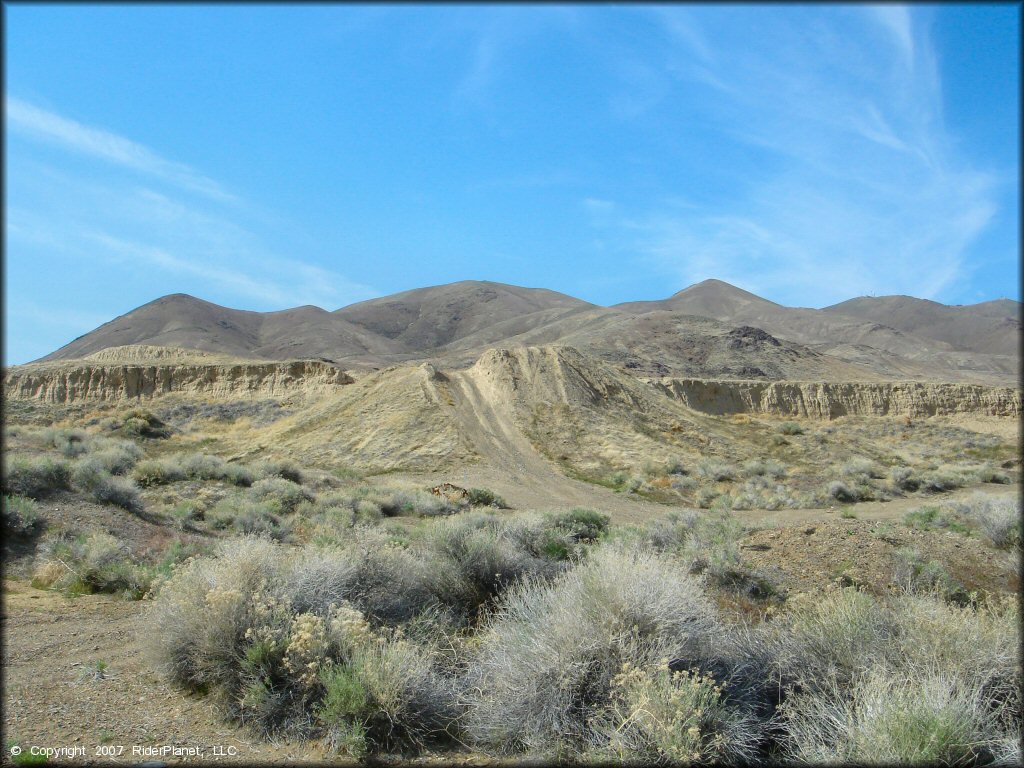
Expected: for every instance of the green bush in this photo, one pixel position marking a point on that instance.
(481, 497)
(139, 423)
(21, 518)
(790, 428)
(280, 494)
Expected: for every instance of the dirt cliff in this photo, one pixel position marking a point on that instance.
(99, 380)
(828, 400)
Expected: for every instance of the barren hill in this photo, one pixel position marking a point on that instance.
(992, 326)
(709, 330)
(428, 319)
(897, 337)
(180, 320)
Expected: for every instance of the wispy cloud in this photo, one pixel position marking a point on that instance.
(854, 184)
(150, 230)
(44, 125)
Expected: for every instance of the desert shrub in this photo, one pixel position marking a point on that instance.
(407, 702)
(989, 475)
(763, 468)
(706, 497)
(842, 492)
(87, 564)
(284, 469)
(243, 514)
(940, 481)
(914, 574)
(120, 492)
(279, 493)
(921, 681)
(904, 479)
(581, 524)
(482, 497)
(139, 423)
(790, 428)
(999, 519)
(201, 616)
(930, 518)
(202, 466)
(21, 518)
(118, 458)
(716, 470)
(542, 675)
(238, 475)
(861, 468)
(87, 473)
(833, 633)
(187, 512)
(36, 477)
(157, 472)
(656, 715)
(888, 720)
(709, 544)
(417, 502)
(490, 555)
(681, 483)
(271, 637)
(72, 443)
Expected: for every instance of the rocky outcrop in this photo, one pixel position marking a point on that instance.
(85, 380)
(823, 400)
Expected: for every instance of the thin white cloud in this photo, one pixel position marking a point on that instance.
(866, 192)
(283, 283)
(48, 126)
(896, 20)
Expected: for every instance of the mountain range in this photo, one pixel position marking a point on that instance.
(711, 330)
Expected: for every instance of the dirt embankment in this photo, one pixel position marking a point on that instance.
(87, 380)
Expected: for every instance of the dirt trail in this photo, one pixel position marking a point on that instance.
(514, 468)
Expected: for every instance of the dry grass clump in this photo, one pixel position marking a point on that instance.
(195, 466)
(287, 470)
(35, 476)
(86, 564)
(158, 472)
(201, 466)
(719, 471)
(542, 679)
(916, 679)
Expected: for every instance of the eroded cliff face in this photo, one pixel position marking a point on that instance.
(823, 400)
(82, 380)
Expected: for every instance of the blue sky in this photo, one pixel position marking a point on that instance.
(263, 157)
